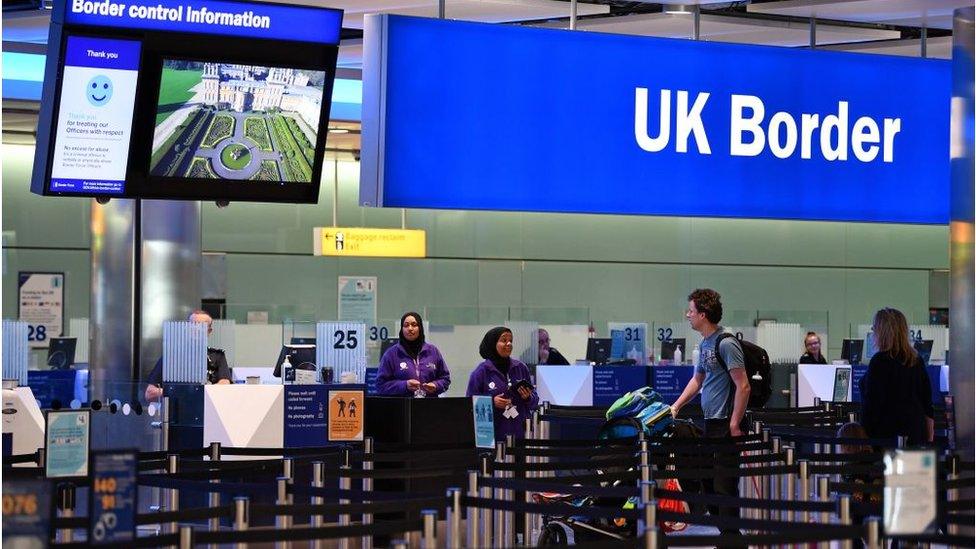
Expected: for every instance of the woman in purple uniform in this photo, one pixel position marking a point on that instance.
(412, 367)
(507, 381)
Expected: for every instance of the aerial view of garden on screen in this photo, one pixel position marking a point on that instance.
(241, 122)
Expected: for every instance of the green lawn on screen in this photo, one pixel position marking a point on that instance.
(174, 90)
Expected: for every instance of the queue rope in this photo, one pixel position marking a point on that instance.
(811, 535)
(308, 533)
(726, 472)
(383, 506)
(541, 486)
(166, 540)
(185, 515)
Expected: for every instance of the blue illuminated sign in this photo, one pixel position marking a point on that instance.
(244, 19)
(529, 119)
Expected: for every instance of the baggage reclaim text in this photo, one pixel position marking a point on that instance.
(160, 12)
(750, 133)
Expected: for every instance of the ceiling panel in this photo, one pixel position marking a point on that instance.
(737, 30)
(936, 48)
(914, 13)
(488, 11)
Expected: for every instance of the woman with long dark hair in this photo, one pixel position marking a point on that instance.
(506, 380)
(896, 398)
(412, 367)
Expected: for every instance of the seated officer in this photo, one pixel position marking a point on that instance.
(547, 354)
(218, 372)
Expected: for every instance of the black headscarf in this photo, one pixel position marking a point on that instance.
(412, 347)
(489, 350)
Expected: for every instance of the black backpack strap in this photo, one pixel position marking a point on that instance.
(718, 354)
(730, 398)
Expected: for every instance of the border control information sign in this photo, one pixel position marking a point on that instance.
(66, 443)
(114, 492)
(40, 303)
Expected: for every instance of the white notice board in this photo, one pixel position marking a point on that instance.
(40, 303)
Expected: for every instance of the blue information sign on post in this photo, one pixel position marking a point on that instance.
(114, 494)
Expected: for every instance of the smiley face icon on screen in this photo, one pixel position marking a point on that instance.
(99, 91)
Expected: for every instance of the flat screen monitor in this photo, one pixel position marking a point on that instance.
(61, 353)
(300, 356)
(668, 347)
(181, 109)
(386, 344)
(598, 350)
(870, 347)
(924, 349)
(852, 350)
(842, 384)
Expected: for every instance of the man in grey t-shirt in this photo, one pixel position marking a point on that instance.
(724, 392)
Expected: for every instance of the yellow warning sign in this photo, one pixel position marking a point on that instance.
(364, 242)
(346, 415)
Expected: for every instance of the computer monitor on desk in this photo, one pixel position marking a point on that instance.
(61, 353)
(852, 350)
(300, 356)
(924, 349)
(598, 350)
(668, 347)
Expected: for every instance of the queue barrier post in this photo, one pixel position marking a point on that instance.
(498, 521)
(173, 499)
(288, 469)
(471, 538)
(823, 495)
(186, 537)
(902, 442)
(487, 515)
(952, 494)
(650, 538)
(790, 486)
(367, 539)
(874, 533)
(213, 498)
(453, 518)
(844, 514)
(282, 522)
(803, 476)
(66, 503)
(345, 483)
(241, 510)
(318, 481)
(429, 540)
(509, 539)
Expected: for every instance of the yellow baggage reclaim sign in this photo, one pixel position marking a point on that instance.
(362, 242)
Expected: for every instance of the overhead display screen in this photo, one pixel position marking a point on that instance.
(239, 122)
(186, 100)
(97, 98)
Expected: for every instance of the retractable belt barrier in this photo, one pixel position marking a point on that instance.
(516, 494)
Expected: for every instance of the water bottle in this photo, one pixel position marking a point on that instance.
(695, 355)
(287, 371)
(677, 355)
